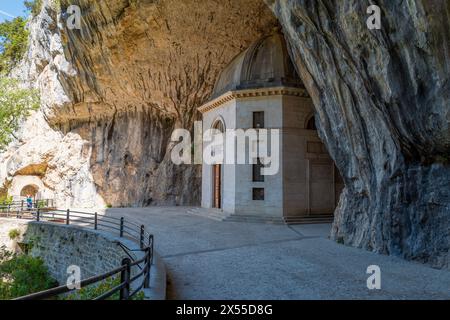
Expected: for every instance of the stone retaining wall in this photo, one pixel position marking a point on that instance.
(61, 246)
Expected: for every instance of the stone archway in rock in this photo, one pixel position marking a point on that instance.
(29, 190)
(21, 186)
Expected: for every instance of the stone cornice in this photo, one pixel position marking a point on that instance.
(251, 93)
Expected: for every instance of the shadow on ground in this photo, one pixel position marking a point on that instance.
(208, 259)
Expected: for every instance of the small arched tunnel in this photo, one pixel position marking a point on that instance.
(23, 186)
(31, 190)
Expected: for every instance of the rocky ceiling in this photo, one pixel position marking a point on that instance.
(163, 54)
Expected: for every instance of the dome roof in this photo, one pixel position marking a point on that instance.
(266, 63)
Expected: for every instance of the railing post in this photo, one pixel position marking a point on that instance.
(122, 222)
(147, 268)
(21, 206)
(125, 277)
(46, 203)
(38, 215)
(150, 244)
(95, 221)
(142, 237)
(9, 210)
(68, 217)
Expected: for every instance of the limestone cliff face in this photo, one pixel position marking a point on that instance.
(60, 159)
(383, 108)
(143, 68)
(118, 88)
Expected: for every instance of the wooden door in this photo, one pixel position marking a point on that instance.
(217, 176)
(321, 187)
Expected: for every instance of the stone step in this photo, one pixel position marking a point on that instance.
(254, 219)
(213, 214)
(314, 219)
(219, 215)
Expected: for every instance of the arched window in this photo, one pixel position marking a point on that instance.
(217, 169)
(311, 124)
(219, 125)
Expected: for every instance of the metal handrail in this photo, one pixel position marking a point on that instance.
(23, 204)
(69, 217)
(65, 289)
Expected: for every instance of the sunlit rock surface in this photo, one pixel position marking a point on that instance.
(119, 87)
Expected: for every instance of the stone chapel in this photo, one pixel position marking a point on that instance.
(260, 88)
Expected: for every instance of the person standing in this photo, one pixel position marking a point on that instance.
(29, 202)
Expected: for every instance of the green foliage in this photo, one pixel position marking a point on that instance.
(109, 206)
(41, 204)
(6, 200)
(14, 234)
(5, 254)
(34, 6)
(15, 104)
(13, 43)
(139, 296)
(30, 244)
(96, 290)
(22, 275)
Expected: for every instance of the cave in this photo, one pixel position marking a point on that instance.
(380, 98)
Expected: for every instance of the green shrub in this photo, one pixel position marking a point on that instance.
(5, 254)
(96, 290)
(6, 200)
(93, 291)
(14, 234)
(21, 275)
(41, 204)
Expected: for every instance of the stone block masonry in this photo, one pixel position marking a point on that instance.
(60, 246)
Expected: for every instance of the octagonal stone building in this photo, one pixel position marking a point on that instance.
(260, 88)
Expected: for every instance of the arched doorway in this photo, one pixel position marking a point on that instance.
(217, 173)
(30, 190)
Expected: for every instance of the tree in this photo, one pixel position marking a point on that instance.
(16, 103)
(13, 43)
(34, 6)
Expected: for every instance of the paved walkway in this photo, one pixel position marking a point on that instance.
(207, 259)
